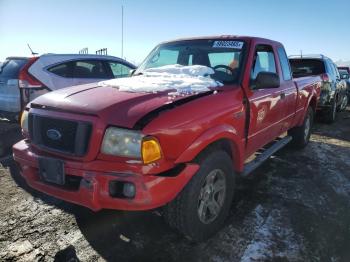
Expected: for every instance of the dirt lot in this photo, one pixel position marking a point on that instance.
(296, 207)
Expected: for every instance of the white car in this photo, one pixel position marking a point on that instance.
(23, 79)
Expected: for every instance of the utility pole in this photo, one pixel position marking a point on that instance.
(122, 32)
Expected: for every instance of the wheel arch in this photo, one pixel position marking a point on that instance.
(222, 137)
(311, 102)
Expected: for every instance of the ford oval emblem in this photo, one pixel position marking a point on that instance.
(53, 134)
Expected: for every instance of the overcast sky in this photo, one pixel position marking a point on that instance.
(66, 26)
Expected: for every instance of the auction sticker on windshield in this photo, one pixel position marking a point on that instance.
(228, 44)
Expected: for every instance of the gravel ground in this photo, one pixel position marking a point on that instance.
(296, 207)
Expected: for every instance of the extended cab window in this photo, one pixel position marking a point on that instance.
(284, 64)
(119, 70)
(90, 69)
(264, 61)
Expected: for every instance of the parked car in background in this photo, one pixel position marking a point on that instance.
(333, 90)
(24, 79)
(10, 104)
(344, 72)
(174, 135)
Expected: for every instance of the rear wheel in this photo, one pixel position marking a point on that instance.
(200, 209)
(301, 135)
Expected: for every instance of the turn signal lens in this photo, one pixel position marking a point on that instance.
(151, 150)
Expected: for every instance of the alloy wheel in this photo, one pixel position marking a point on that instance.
(212, 196)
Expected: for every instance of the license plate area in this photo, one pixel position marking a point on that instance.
(52, 170)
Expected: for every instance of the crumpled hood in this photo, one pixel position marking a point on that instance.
(123, 101)
(108, 103)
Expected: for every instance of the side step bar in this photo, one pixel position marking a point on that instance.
(251, 166)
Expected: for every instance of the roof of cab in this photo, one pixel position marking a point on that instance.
(225, 37)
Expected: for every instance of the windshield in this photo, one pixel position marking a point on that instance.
(224, 56)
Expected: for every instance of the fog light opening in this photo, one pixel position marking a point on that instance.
(129, 190)
(121, 189)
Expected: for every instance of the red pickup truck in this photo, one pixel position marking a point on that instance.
(174, 135)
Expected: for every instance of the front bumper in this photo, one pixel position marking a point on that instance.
(152, 191)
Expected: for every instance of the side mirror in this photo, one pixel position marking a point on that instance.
(131, 72)
(267, 80)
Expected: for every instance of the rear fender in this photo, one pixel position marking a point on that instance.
(311, 101)
(212, 135)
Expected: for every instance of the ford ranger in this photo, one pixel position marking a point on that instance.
(176, 134)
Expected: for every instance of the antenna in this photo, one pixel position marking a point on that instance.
(33, 53)
(301, 53)
(122, 31)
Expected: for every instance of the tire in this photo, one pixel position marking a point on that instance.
(183, 213)
(330, 114)
(301, 135)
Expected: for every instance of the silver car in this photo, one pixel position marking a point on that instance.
(23, 79)
(10, 103)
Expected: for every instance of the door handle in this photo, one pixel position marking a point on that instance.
(283, 95)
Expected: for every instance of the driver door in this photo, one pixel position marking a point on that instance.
(266, 105)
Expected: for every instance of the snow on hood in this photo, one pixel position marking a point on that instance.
(176, 78)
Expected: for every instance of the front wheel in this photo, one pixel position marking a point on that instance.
(301, 135)
(200, 209)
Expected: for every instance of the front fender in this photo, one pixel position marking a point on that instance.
(211, 135)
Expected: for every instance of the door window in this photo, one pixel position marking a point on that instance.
(63, 70)
(336, 72)
(264, 61)
(330, 69)
(90, 69)
(119, 70)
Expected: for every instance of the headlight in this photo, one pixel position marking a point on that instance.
(129, 143)
(122, 142)
(24, 121)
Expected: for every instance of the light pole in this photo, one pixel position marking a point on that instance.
(122, 32)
